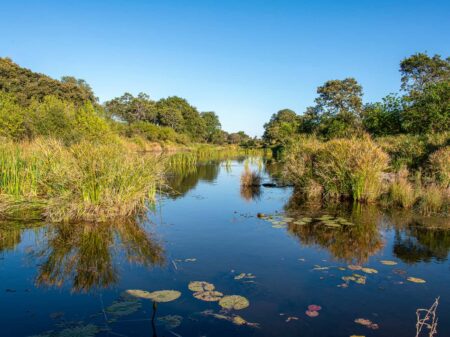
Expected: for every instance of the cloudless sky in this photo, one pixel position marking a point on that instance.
(242, 59)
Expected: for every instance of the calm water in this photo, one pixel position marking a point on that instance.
(69, 281)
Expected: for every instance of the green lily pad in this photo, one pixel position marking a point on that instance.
(123, 308)
(199, 286)
(139, 293)
(170, 321)
(156, 296)
(208, 296)
(388, 263)
(235, 302)
(416, 280)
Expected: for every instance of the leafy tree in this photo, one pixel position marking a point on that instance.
(420, 70)
(169, 111)
(132, 109)
(212, 125)
(12, 118)
(281, 127)
(384, 118)
(26, 85)
(339, 107)
(429, 111)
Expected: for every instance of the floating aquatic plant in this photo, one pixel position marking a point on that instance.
(199, 286)
(208, 296)
(235, 302)
(367, 323)
(416, 280)
(123, 307)
(244, 276)
(170, 321)
(235, 319)
(369, 270)
(314, 307)
(312, 313)
(159, 296)
(354, 267)
(388, 263)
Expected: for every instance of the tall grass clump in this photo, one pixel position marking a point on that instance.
(351, 168)
(431, 200)
(401, 191)
(250, 178)
(439, 164)
(339, 168)
(84, 181)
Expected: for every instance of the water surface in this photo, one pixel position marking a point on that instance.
(60, 280)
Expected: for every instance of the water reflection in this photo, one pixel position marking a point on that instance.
(84, 254)
(415, 241)
(185, 179)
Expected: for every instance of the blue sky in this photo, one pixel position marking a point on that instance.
(243, 59)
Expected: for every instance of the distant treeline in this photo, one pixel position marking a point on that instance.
(33, 104)
(421, 107)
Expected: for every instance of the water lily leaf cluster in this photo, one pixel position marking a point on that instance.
(367, 323)
(235, 319)
(313, 310)
(244, 276)
(234, 302)
(159, 296)
(170, 321)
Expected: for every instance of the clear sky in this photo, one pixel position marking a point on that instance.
(242, 59)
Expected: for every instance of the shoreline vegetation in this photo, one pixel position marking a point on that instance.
(395, 152)
(64, 157)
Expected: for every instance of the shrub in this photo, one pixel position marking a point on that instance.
(431, 200)
(351, 168)
(439, 164)
(401, 191)
(85, 181)
(250, 178)
(12, 118)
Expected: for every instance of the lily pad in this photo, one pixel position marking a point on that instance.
(416, 280)
(139, 293)
(369, 270)
(354, 267)
(235, 302)
(162, 296)
(388, 263)
(89, 330)
(244, 276)
(123, 308)
(170, 321)
(312, 313)
(208, 296)
(198, 286)
(367, 323)
(314, 307)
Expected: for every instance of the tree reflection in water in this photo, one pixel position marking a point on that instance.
(85, 253)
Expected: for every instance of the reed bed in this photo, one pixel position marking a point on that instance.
(84, 181)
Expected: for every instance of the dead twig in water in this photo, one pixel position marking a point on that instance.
(426, 318)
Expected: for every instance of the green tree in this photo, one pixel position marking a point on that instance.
(429, 111)
(132, 109)
(12, 118)
(339, 107)
(419, 70)
(384, 118)
(281, 127)
(212, 125)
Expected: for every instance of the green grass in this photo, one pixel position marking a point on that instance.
(85, 181)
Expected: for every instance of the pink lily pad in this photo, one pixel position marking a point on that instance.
(314, 307)
(312, 313)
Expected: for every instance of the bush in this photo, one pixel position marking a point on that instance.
(431, 200)
(401, 191)
(85, 181)
(439, 164)
(349, 168)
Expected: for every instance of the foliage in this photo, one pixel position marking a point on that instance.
(281, 127)
(383, 118)
(348, 168)
(85, 181)
(26, 85)
(439, 163)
